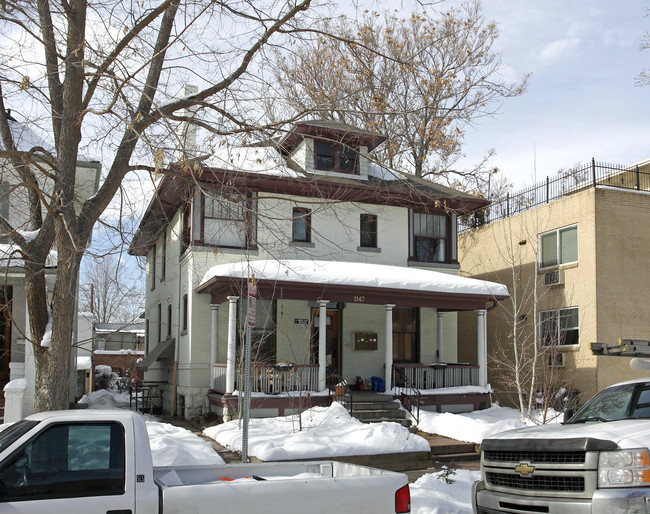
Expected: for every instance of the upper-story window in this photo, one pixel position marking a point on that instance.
(301, 225)
(224, 219)
(154, 258)
(368, 231)
(335, 157)
(433, 237)
(558, 247)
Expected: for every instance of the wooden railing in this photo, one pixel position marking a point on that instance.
(436, 376)
(270, 378)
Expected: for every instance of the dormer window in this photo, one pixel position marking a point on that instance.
(335, 157)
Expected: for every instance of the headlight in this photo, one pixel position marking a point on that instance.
(624, 468)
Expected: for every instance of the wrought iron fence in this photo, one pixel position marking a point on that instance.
(594, 174)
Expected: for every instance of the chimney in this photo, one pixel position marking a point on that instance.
(187, 131)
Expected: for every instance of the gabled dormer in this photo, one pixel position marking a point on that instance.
(330, 148)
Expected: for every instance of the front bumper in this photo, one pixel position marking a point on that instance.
(604, 501)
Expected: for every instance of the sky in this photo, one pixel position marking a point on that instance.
(581, 101)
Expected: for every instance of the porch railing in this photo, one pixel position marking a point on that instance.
(436, 376)
(270, 378)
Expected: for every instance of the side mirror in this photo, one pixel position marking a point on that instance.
(568, 414)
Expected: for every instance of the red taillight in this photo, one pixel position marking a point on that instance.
(403, 499)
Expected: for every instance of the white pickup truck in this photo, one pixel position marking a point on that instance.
(100, 461)
(597, 461)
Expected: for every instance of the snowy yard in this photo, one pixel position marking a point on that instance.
(328, 432)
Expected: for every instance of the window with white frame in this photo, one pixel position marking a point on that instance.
(558, 247)
(225, 218)
(559, 327)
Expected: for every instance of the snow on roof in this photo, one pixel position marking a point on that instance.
(126, 351)
(25, 138)
(255, 159)
(11, 256)
(359, 274)
(84, 362)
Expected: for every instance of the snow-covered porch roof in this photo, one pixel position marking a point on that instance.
(352, 282)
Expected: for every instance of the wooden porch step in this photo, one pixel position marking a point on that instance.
(360, 406)
(402, 421)
(447, 450)
(392, 414)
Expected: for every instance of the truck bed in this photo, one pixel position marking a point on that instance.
(287, 487)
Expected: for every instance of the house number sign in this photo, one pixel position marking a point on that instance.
(359, 299)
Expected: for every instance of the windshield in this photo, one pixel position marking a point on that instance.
(629, 401)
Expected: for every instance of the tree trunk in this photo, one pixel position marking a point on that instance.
(53, 362)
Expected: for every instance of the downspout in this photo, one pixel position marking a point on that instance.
(178, 327)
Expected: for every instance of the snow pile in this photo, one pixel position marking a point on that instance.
(326, 432)
(103, 399)
(472, 427)
(175, 446)
(170, 445)
(433, 494)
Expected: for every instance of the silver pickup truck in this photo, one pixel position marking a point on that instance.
(597, 461)
(100, 462)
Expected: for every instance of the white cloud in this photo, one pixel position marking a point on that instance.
(558, 50)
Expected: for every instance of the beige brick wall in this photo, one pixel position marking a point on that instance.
(606, 283)
(623, 266)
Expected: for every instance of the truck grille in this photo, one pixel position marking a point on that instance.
(536, 483)
(536, 457)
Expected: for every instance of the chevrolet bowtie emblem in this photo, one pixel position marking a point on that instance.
(524, 469)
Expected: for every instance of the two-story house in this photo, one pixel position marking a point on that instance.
(327, 235)
(16, 357)
(573, 251)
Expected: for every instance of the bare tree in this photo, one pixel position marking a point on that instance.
(524, 360)
(420, 80)
(110, 291)
(643, 78)
(102, 77)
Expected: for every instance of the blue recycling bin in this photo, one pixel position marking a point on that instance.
(378, 384)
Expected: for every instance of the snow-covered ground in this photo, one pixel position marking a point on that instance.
(330, 431)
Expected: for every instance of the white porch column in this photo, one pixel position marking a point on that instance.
(322, 345)
(388, 375)
(232, 339)
(481, 319)
(440, 327)
(214, 311)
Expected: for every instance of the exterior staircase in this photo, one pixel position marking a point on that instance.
(371, 407)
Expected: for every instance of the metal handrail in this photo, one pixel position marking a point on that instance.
(340, 382)
(404, 398)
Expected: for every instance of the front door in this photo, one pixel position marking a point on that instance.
(332, 338)
(5, 332)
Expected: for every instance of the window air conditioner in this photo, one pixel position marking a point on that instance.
(554, 278)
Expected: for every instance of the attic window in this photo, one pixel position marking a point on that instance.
(335, 157)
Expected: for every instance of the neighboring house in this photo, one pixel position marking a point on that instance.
(16, 361)
(583, 239)
(120, 346)
(326, 235)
